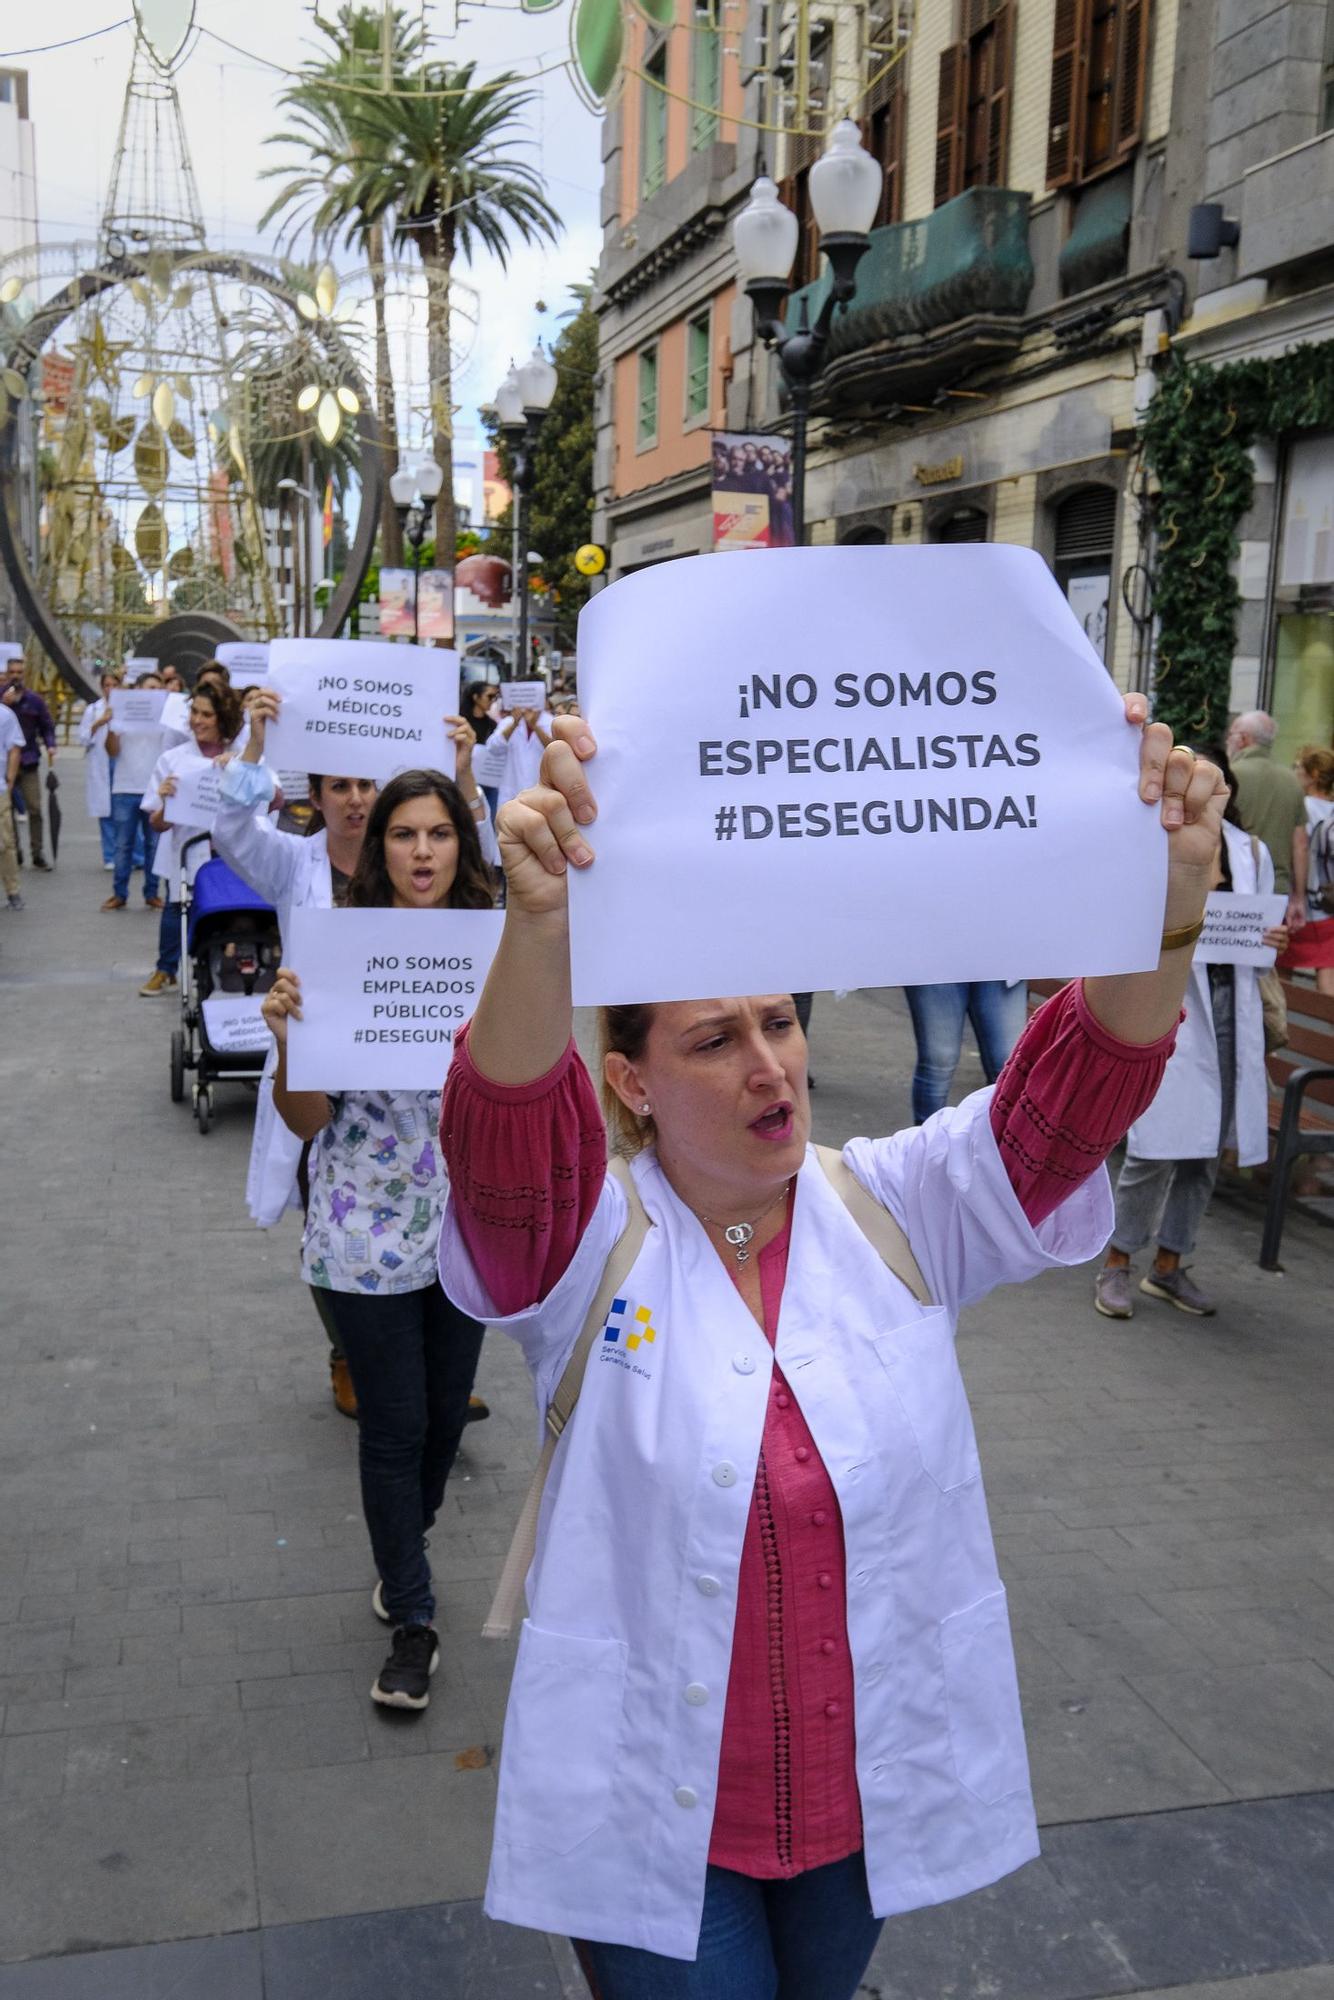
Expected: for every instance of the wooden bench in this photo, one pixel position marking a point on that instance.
(1301, 1099)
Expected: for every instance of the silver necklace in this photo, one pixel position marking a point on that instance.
(740, 1234)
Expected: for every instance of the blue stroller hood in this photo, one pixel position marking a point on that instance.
(218, 892)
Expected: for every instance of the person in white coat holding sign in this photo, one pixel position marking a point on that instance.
(1214, 1095)
(94, 724)
(765, 1695)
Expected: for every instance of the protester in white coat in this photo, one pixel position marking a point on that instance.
(765, 1695)
(1214, 1095)
(94, 724)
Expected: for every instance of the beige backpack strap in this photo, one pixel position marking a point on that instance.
(877, 1225)
(500, 1618)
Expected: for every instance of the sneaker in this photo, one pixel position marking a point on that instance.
(1111, 1293)
(157, 983)
(110, 867)
(40, 861)
(377, 1604)
(404, 1681)
(114, 903)
(16, 902)
(1180, 1290)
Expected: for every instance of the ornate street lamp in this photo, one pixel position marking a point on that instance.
(845, 187)
(521, 404)
(414, 491)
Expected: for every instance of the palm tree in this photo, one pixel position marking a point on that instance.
(325, 108)
(435, 166)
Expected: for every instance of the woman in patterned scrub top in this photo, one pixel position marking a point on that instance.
(377, 1190)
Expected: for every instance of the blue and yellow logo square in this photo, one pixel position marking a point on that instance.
(634, 1329)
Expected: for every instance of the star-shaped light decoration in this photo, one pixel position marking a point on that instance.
(330, 405)
(102, 353)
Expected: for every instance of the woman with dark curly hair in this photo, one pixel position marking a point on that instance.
(377, 1192)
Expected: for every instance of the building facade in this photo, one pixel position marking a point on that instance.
(18, 231)
(1028, 277)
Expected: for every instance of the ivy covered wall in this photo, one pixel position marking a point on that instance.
(1197, 437)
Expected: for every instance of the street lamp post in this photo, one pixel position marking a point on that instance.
(521, 405)
(414, 492)
(845, 186)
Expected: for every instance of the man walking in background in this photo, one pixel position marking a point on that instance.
(11, 748)
(34, 719)
(1271, 805)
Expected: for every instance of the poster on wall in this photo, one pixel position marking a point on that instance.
(752, 491)
(1088, 598)
(435, 605)
(395, 603)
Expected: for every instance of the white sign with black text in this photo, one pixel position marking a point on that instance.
(1234, 928)
(137, 711)
(235, 1026)
(383, 993)
(523, 694)
(247, 663)
(362, 708)
(841, 767)
(198, 793)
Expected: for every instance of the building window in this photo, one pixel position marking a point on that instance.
(646, 426)
(698, 344)
(1085, 538)
(803, 150)
(653, 124)
(1327, 74)
(965, 524)
(1301, 697)
(973, 105)
(1099, 71)
(884, 122)
(706, 75)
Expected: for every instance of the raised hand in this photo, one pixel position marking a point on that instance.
(540, 831)
(281, 1004)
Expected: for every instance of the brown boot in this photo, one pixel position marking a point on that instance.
(344, 1395)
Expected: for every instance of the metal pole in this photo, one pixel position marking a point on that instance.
(514, 578)
(801, 403)
(416, 586)
(521, 670)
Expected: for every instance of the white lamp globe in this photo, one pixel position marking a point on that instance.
(764, 236)
(846, 184)
(537, 381)
(429, 479)
(509, 400)
(403, 487)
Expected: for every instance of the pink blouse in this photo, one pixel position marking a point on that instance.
(526, 1166)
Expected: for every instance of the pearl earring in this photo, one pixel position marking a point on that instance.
(644, 1110)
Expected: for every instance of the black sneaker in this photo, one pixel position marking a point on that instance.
(404, 1681)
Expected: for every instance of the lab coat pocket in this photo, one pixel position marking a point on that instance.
(919, 1359)
(985, 1720)
(562, 1731)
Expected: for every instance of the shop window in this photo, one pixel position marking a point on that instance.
(706, 74)
(1085, 538)
(868, 536)
(653, 124)
(965, 524)
(803, 150)
(1302, 700)
(698, 345)
(1099, 72)
(973, 104)
(646, 428)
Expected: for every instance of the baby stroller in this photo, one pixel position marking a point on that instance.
(229, 960)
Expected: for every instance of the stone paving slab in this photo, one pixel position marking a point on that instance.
(185, 1631)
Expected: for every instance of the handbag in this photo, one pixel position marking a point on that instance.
(877, 1225)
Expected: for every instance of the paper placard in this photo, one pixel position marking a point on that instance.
(361, 708)
(383, 993)
(138, 665)
(523, 694)
(197, 796)
(294, 786)
(175, 717)
(136, 711)
(247, 663)
(235, 1026)
(842, 767)
(1233, 926)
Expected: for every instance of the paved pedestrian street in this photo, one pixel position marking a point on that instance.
(196, 1795)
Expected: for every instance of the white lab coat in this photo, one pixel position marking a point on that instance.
(611, 1747)
(1182, 1123)
(96, 763)
(523, 762)
(172, 841)
(290, 871)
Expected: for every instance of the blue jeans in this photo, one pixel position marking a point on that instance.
(412, 1358)
(809, 1938)
(106, 826)
(169, 939)
(131, 822)
(997, 1014)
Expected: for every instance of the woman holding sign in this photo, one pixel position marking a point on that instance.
(377, 1189)
(766, 1694)
(215, 723)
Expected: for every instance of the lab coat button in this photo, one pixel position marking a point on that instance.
(744, 1364)
(697, 1694)
(707, 1586)
(684, 1796)
(724, 1474)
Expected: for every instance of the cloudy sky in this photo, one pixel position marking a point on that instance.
(229, 96)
